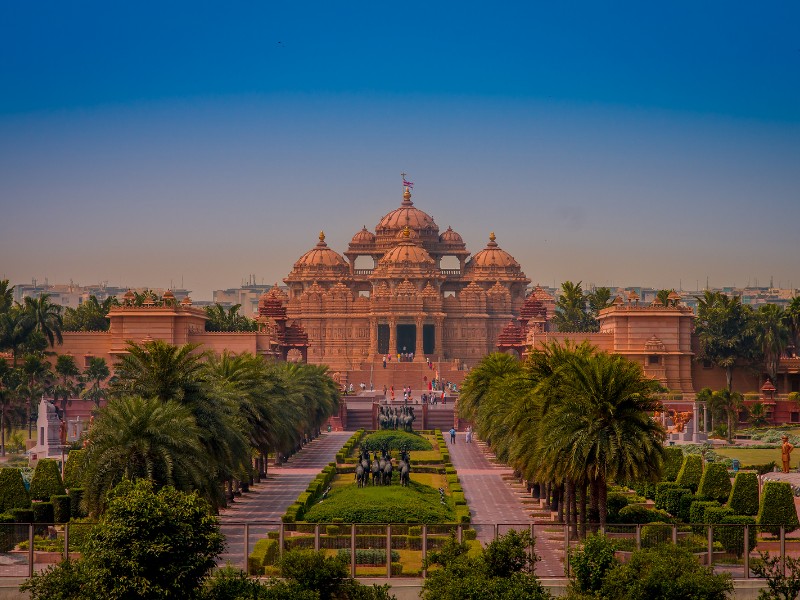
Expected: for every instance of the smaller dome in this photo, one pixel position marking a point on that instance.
(451, 237)
(365, 236)
(407, 233)
(493, 256)
(321, 256)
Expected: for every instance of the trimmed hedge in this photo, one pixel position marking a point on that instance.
(744, 495)
(684, 505)
(395, 440)
(12, 490)
(22, 515)
(691, 472)
(265, 552)
(367, 556)
(637, 513)
(10, 536)
(697, 513)
(672, 500)
(615, 502)
(732, 537)
(715, 483)
(61, 508)
(46, 480)
(76, 509)
(673, 461)
(777, 508)
(661, 488)
(73, 468)
(43, 512)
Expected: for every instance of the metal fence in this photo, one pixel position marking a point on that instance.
(401, 549)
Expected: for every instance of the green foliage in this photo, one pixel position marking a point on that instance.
(43, 512)
(395, 440)
(744, 495)
(9, 536)
(666, 572)
(367, 556)
(46, 480)
(591, 563)
(502, 571)
(637, 513)
(684, 505)
(656, 533)
(23, 515)
(782, 577)
(229, 583)
(691, 472)
(64, 581)
(777, 508)
(12, 490)
(673, 461)
(265, 552)
(314, 571)
(731, 533)
(615, 502)
(715, 483)
(61, 508)
(76, 507)
(417, 502)
(698, 508)
(661, 488)
(672, 500)
(73, 468)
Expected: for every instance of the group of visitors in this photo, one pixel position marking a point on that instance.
(467, 437)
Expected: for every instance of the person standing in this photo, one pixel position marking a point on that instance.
(786, 453)
(468, 437)
(453, 435)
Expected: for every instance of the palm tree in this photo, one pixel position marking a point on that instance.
(15, 330)
(220, 319)
(95, 374)
(570, 313)
(38, 382)
(10, 381)
(45, 316)
(728, 403)
(137, 438)
(480, 379)
(6, 296)
(68, 385)
(772, 337)
(792, 317)
(663, 296)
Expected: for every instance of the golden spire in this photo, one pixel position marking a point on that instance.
(492, 237)
(406, 232)
(321, 236)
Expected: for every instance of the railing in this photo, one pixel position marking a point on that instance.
(451, 272)
(362, 271)
(375, 550)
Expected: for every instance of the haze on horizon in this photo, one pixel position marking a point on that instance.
(627, 145)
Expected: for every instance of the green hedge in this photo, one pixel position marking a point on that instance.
(265, 552)
(691, 472)
(395, 440)
(367, 556)
(12, 490)
(777, 508)
(672, 500)
(714, 515)
(673, 461)
(744, 495)
(697, 513)
(10, 535)
(615, 502)
(61, 508)
(684, 505)
(23, 515)
(73, 468)
(43, 512)
(637, 513)
(732, 537)
(76, 509)
(715, 483)
(661, 488)
(46, 480)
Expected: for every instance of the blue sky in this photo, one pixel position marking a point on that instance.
(625, 143)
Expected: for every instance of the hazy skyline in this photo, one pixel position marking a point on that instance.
(633, 145)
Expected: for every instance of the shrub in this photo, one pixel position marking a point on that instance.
(661, 488)
(666, 572)
(367, 556)
(615, 502)
(731, 534)
(684, 505)
(636, 513)
(43, 512)
(61, 508)
(697, 511)
(656, 533)
(592, 562)
(744, 495)
(46, 480)
(395, 440)
(314, 571)
(673, 460)
(777, 508)
(23, 515)
(8, 532)
(672, 500)
(12, 490)
(265, 552)
(73, 469)
(76, 508)
(715, 483)
(691, 472)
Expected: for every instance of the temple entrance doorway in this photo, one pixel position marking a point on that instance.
(428, 339)
(406, 338)
(383, 338)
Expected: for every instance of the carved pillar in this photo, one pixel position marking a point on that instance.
(392, 336)
(438, 348)
(418, 352)
(373, 337)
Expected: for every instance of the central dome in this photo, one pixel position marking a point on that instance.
(406, 216)
(407, 253)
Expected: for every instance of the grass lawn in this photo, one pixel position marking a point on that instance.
(750, 456)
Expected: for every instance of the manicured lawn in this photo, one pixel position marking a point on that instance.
(750, 456)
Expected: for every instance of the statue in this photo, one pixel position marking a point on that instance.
(786, 453)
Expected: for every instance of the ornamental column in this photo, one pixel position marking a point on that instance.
(393, 336)
(373, 337)
(418, 351)
(438, 347)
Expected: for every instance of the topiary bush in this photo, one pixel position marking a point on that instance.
(73, 469)
(673, 461)
(43, 512)
(395, 440)
(684, 505)
(691, 472)
(615, 502)
(731, 534)
(661, 488)
(76, 508)
(61, 508)
(656, 533)
(744, 495)
(777, 508)
(12, 490)
(697, 511)
(46, 480)
(636, 513)
(672, 500)
(715, 483)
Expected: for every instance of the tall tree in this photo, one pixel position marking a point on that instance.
(772, 337)
(10, 381)
(90, 315)
(792, 317)
(6, 296)
(94, 375)
(38, 382)
(68, 385)
(45, 316)
(724, 330)
(15, 330)
(571, 313)
(220, 319)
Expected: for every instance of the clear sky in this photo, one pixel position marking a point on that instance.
(624, 143)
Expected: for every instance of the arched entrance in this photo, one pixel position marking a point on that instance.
(406, 339)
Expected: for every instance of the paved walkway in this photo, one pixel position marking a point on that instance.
(268, 500)
(491, 500)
